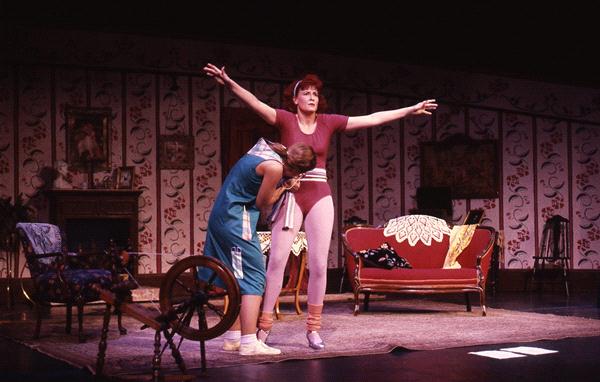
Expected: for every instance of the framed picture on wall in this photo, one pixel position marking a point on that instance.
(88, 137)
(176, 152)
(467, 166)
(123, 177)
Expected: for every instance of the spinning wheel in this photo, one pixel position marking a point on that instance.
(200, 297)
(199, 300)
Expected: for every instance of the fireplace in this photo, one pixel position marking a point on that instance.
(91, 218)
(93, 235)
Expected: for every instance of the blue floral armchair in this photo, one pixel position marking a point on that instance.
(54, 281)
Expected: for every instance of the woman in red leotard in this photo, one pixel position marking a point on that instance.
(312, 202)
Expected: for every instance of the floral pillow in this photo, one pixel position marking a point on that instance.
(383, 257)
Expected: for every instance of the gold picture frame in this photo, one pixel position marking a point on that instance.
(467, 166)
(88, 137)
(176, 152)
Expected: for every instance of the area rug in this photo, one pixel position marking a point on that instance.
(414, 324)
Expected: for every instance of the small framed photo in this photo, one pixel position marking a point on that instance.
(123, 177)
(176, 152)
(88, 137)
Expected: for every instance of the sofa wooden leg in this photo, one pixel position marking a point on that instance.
(356, 303)
(468, 302)
(366, 304)
(482, 302)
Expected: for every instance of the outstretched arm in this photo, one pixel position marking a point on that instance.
(263, 110)
(383, 117)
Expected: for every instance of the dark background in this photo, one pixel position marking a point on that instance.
(553, 42)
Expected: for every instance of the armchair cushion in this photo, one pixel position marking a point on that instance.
(78, 282)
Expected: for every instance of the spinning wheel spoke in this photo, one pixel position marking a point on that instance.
(187, 317)
(216, 309)
(211, 280)
(182, 284)
(202, 324)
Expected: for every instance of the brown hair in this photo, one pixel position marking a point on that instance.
(303, 83)
(299, 156)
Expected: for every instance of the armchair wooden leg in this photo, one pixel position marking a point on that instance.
(122, 330)
(366, 303)
(80, 322)
(38, 321)
(356, 302)
(69, 318)
(468, 302)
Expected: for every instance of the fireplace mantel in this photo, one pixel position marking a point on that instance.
(89, 212)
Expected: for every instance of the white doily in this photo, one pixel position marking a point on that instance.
(415, 228)
(299, 244)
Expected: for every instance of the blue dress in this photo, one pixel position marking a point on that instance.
(231, 236)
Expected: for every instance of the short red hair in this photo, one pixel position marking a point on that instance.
(303, 83)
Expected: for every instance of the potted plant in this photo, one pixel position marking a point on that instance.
(12, 213)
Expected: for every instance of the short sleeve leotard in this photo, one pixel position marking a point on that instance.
(310, 192)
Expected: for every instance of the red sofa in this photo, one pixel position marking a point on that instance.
(427, 275)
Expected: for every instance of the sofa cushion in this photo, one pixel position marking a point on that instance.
(425, 276)
(383, 257)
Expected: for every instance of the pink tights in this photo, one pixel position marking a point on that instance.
(318, 225)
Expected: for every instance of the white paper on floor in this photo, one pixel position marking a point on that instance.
(529, 350)
(498, 354)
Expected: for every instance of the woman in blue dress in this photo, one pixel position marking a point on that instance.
(249, 192)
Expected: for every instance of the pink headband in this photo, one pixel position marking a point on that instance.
(296, 88)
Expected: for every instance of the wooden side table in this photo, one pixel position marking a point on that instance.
(296, 266)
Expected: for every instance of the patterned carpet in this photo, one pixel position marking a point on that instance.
(415, 324)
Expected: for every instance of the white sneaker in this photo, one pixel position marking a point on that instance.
(231, 345)
(258, 348)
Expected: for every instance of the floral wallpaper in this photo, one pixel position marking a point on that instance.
(386, 165)
(140, 142)
(585, 215)
(518, 190)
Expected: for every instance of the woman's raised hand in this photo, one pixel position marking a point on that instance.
(425, 107)
(218, 74)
